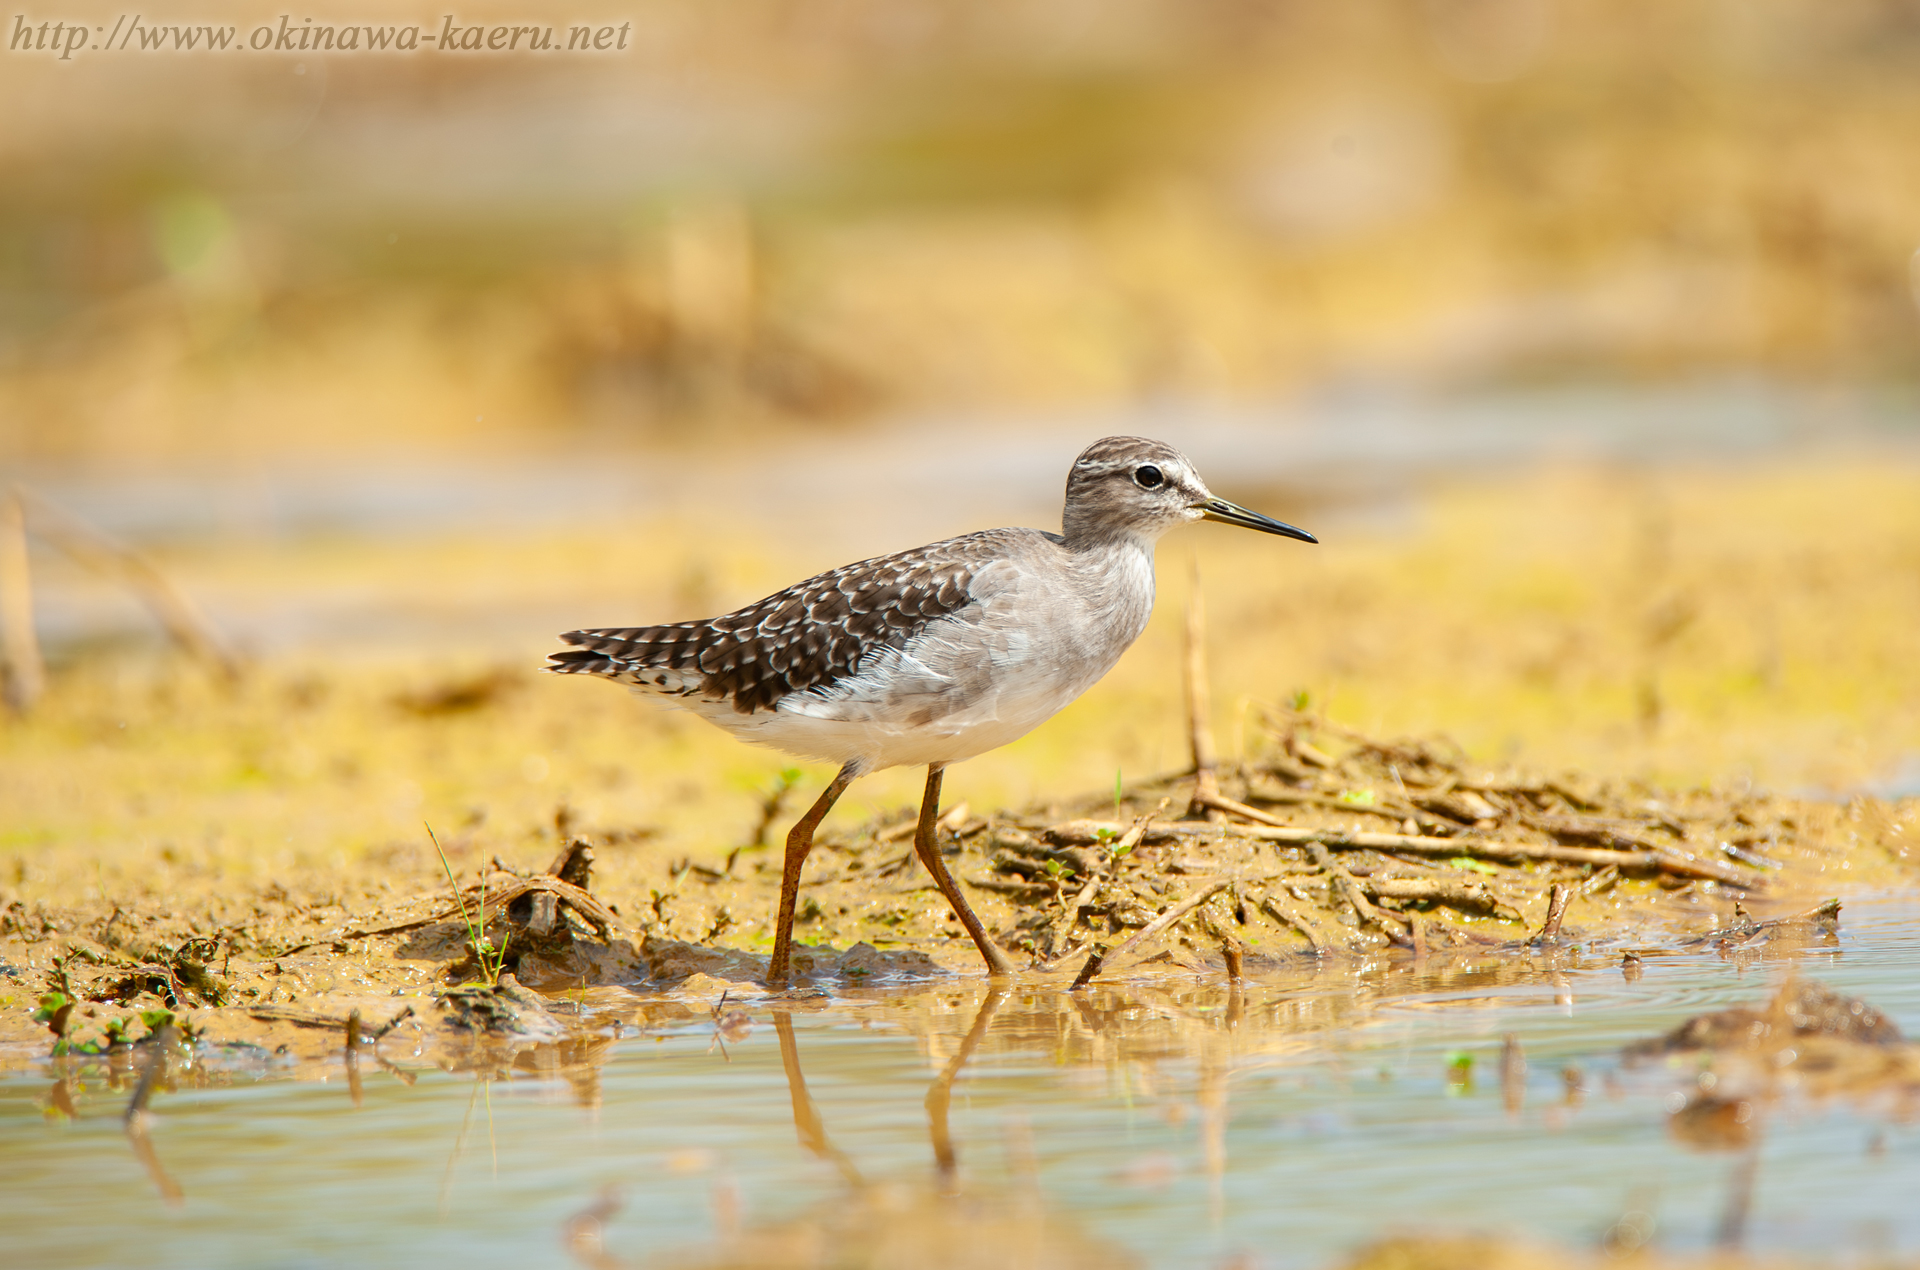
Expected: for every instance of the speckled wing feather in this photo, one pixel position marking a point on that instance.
(811, 635)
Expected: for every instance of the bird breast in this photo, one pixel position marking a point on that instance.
(1038, 634)
(1040, 630)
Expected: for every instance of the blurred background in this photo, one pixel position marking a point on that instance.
(1584, 333)
(815, 222)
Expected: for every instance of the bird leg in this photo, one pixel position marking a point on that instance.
(799, 842)
(929, 852)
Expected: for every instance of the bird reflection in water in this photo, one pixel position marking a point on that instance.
(886, 1223)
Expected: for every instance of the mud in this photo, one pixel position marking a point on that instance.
(1740, 1065)
(1328, 845)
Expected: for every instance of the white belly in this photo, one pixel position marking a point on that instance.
(971, 682)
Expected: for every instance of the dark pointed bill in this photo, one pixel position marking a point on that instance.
(1234, 514)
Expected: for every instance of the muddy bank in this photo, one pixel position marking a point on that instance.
(883, 1063)
(1722, 1076)
(1329, 846)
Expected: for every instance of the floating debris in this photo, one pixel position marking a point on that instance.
(1803, 1008)
(501, 1009)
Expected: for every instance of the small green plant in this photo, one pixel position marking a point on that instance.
(1476, 866)
(1301, 700)
(55, 1009)
(491, 960)
(1357, 797)
(1119, 789)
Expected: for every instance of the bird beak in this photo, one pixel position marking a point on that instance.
(1233, 514)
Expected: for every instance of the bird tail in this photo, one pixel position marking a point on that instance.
(610, 653)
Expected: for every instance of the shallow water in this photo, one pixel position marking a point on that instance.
(1189, 1125)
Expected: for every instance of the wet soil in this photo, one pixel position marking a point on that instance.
(1329, 845)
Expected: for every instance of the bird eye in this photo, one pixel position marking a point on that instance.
(1149, 477)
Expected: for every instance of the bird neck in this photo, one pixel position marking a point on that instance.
(1115, 554)
(1115, 573)
(1084, 534)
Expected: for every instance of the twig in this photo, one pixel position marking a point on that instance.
(1389, 925)
(183, 620)
(1150, 930)
(1601, 881)
(1827, 914)
(1214, 800)
(1063, 927)
(1557, 900)
(1018, 889)
(1455, 931)
(1136, 833)
(1440, 890)
(1308, 798)
(1088, 971)
(1662, 861)
(353, 1059)
(1600, 832)
(1290, 918)
(574, 864)
(1206, 786)
(26, 674)
(1235, 962)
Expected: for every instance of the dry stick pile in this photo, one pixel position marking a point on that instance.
(1330, 842)
(1353, 844)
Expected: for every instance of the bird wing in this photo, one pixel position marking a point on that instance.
(813, 635)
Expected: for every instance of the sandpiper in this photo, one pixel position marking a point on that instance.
(928, 656)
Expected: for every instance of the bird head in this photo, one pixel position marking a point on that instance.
(1138, 487)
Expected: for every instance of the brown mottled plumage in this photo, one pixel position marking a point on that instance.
(928, 656)
(812, 634)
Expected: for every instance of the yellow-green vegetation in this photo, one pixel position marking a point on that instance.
(1683, 627)
(1005, 208)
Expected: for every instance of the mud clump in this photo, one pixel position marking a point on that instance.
(503, 1008)
(1802, 1009)
(1807, 1041)
(1326, 844)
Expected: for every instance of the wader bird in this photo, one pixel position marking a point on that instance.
(929, 656)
